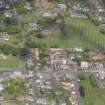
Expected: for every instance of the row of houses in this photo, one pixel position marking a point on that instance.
(70, 86)
(58, 59)
(68, 56)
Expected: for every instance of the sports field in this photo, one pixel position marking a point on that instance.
(93, 95)
(79, 33)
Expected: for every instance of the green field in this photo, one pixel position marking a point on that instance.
(93, 95)
(10, 63)
(79, 33)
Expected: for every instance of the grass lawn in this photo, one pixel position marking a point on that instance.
(10, 63)
(93, 95)
(12, 103)
(15, 39)
(80, 33)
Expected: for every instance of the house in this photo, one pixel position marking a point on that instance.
(54, 53)
(73, 50)
(74, 100)
(101, 71)
(25, 98)
(4, 36)
(101, 75)
(84, 65)
(78, 15)
(53, 102)
(27, 6)
(3, 57)
(36, 52)
(34, 27)
(50, 15)
(42, 100)
(8, 13)
(62, 7)
(30, 74)
(17, 74)
(78, 11)
(68, 85)
(1, 88)
(98, 56)
(1, 92)
(62, 102)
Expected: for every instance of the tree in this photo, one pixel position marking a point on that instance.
(93, 81)
(15, 88)
(23, 51)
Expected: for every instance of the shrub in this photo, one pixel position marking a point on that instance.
(102, 31)
(92, 80)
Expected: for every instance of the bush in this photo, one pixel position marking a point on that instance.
(102, 31)
(7, 49)
(81, 77)
(12, 29)
(21, 10)
(93, 19)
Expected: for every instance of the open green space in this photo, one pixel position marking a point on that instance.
(15, 88)
(78, 33)
(10, 62)
(93, 95)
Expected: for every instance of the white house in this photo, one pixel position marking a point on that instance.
(84, 65)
